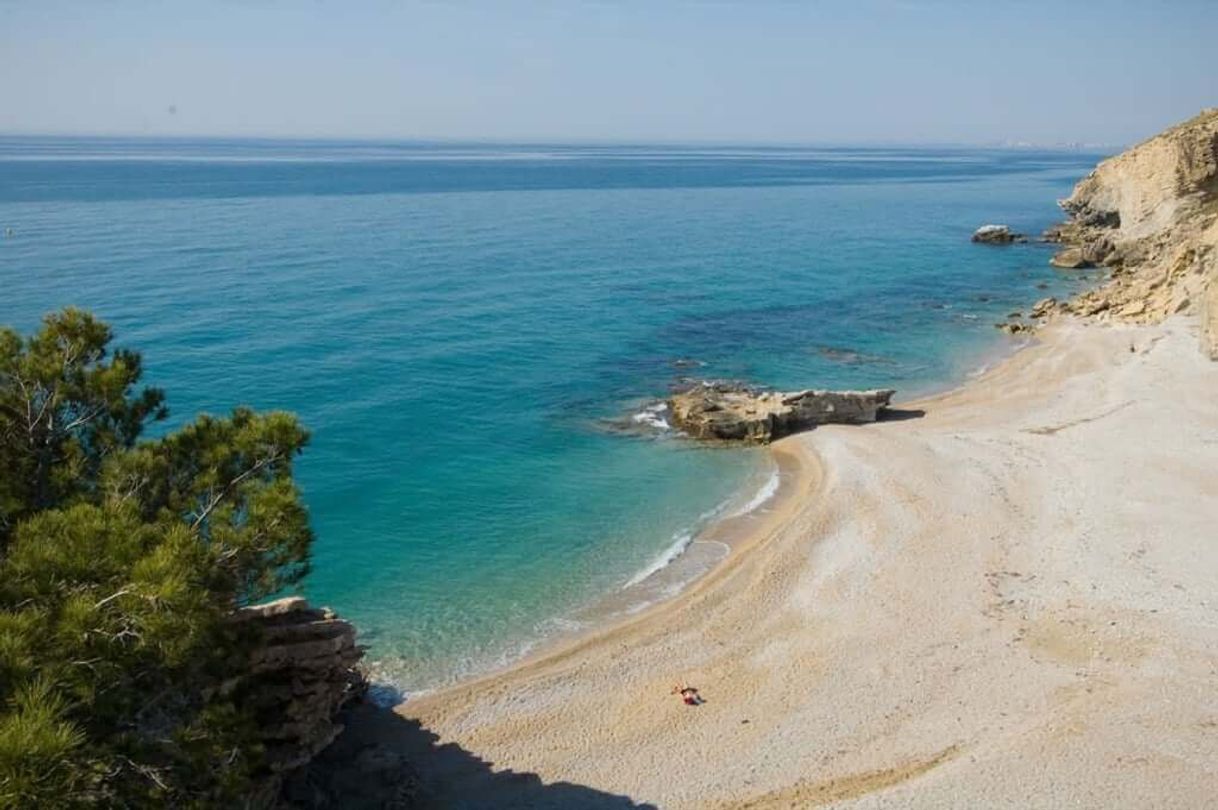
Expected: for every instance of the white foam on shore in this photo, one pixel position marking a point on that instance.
(682, 542)
(671, 589)
(768, 490)
(683, 539)
(389, 690)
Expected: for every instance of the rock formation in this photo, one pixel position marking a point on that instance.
(302, 671)
(997, 235)
(1069, 259)
(735, 412)
(1151, 215)
(1043, 307)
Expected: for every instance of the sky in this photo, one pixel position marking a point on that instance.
(867, 71)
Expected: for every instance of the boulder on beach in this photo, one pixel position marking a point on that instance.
(997, 235)
(736, 412)
(1043, 308)
(1071, 258)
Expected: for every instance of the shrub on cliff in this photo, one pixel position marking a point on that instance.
(120, 561)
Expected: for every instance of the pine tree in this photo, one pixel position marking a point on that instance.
(121, 560)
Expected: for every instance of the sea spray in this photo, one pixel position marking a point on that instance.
(653, 416)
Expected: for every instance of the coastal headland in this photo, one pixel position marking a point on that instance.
(1008, 601)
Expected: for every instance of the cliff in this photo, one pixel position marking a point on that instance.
(302, 672)
(1151, 215)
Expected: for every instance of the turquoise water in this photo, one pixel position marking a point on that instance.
(460, 325)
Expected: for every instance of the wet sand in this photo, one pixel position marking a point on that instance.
(1010, 601)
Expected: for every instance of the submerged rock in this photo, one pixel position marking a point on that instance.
(736, 412)
(997, 235)
(851, 357)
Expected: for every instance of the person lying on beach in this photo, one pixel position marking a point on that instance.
(689, 695)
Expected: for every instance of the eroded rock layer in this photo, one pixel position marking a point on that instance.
(302, 673)
(1151, 215)
(735, 412)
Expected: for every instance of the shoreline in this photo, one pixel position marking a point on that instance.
(609, 688)
(616, 612)
(798, 470)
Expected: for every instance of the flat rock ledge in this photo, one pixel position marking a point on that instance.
(741, 413)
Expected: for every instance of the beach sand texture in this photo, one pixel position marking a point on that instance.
(1008, 602)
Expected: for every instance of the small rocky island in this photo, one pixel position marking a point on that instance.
(997, 235)
(728, 411)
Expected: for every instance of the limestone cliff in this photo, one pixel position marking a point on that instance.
(1151, 215)
(301, 674)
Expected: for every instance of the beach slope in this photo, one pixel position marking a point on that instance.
(1007, 602)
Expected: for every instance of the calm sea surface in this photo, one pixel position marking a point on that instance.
(462, 326)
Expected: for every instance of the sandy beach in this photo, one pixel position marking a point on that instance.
(1007, 601)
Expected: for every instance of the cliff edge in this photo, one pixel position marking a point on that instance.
(1151, 215)
(302, 672)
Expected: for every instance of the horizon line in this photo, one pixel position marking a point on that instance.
(1011, 143)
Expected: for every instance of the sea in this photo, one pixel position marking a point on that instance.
(477, 335)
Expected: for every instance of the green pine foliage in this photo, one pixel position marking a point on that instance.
(121, 558)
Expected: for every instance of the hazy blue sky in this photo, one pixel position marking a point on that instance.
(1108, 72)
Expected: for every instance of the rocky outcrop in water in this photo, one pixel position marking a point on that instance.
(736, 412)
(302, 672)
(997, 235)
(1151, 215)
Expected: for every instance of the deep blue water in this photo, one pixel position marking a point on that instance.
(456, 323)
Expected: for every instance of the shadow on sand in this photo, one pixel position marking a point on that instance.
(899, 414)
(384, 760)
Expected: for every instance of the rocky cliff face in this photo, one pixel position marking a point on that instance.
(302, 672)
(1151, 215)
(733, 412)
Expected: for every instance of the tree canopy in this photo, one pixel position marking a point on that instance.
(121, 559)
